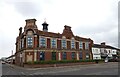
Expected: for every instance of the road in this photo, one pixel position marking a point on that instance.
(110, 68)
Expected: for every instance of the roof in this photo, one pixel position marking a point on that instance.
(103, 46)
(58, 35)
(96, 45)
(67, 32)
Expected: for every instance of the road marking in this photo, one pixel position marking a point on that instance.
(22, 73)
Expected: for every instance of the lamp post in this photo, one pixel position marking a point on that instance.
(12, 57)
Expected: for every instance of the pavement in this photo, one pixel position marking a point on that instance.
(110, 68)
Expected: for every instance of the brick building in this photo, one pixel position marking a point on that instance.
(37, 45)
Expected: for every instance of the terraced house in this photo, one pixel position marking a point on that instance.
(40, 45)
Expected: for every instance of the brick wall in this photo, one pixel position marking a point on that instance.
(48, 56)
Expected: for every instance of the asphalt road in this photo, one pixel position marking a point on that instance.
(110, 68)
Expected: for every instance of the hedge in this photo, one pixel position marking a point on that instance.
(62, 61)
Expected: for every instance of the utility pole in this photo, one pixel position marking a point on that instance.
(12, 57)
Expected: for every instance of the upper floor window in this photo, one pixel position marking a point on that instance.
(22, 43)
(42, 42)
(72, 43)
(29, 41)
(53, 43)
(87, 45)
(81, 45)
(63, 43)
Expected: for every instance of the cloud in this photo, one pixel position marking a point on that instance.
(26, 8)
(95, 19)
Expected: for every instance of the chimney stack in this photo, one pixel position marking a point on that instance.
(103, 43)
(20, 31)
(30, 24)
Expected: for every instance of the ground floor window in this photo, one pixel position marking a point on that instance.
(80, 55)
(64, 55)
(87, 55)
(73, 55)
(42, 55)
(53, 55)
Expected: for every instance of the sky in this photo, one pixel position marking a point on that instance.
(95, 19)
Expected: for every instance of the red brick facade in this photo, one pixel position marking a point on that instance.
(35, 45)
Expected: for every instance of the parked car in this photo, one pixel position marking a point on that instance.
(113, 60)
(3, 62)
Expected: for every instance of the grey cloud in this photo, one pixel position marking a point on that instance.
(27, 9)
(110, 37)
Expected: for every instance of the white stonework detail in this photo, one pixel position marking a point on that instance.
(29, 58)
(59, 56)
(29, 50)
(23, 54)
(35, 55)
(77, 56)
(35, 35)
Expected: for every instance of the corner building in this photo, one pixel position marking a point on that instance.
(40, 45)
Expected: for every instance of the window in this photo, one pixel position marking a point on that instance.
(22, 43)
(63, 43)
(73, 55)
(72, 43)
(42, 42)
(53, 55)
(42, 55)
(87, 55)
(113, 51)
(53, 43)
(29, 41)
(96, 50)
(81, 45)
(87, 45)
(64, 55)
(80, 55)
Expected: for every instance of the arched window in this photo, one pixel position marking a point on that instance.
(30, 39)
(72, 43)
(64, 42)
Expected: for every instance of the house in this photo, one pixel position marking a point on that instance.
(105, 51)
(96, 51)
(109, 51)
(33, 44)
(11, 59)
